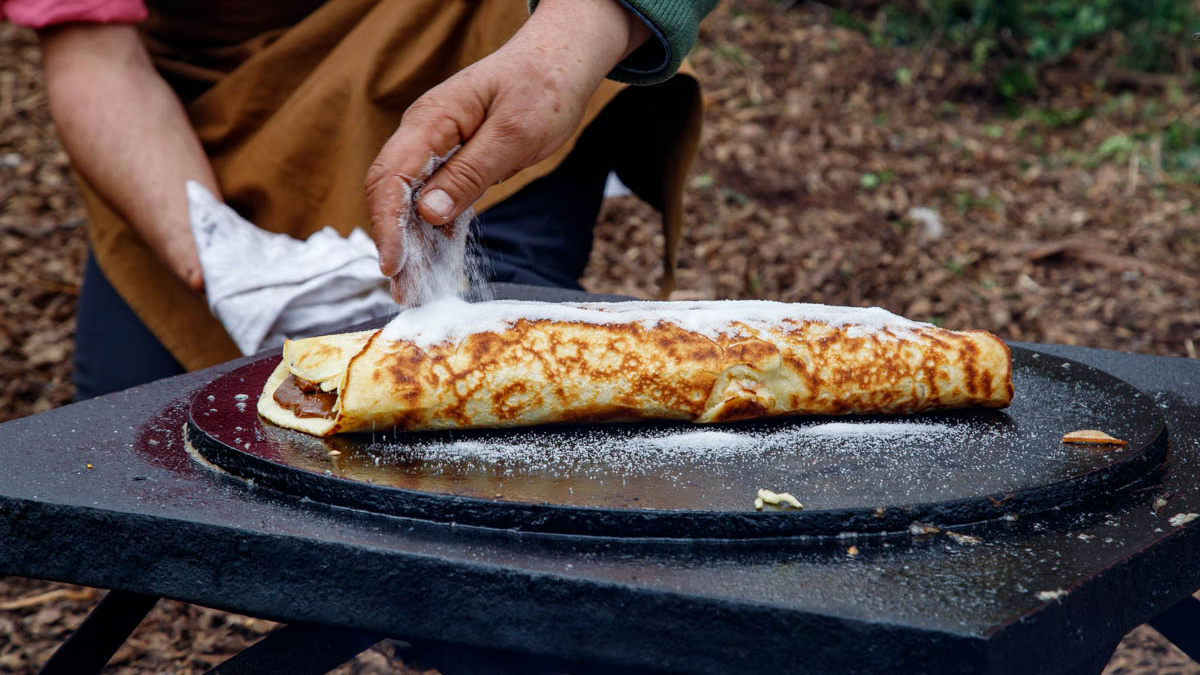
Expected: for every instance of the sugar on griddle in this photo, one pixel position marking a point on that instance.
(642, 450)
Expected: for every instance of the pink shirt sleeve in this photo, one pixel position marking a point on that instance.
(42, 13)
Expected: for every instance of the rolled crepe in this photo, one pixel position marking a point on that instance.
(455, 365)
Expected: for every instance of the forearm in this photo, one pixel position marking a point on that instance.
(588, 34)
(675, 27)
(128, 135)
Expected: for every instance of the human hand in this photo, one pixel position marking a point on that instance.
(507, 111)
(181, 257)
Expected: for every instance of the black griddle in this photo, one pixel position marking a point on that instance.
(854, 474)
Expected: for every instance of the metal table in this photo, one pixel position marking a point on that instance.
(101, 493)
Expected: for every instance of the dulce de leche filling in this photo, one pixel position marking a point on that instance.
(305, 398)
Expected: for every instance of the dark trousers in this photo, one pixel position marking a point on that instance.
(113, 348)
(541, 236)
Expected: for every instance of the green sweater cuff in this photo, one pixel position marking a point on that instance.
(674, 25)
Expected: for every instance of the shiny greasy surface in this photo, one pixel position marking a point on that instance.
(953, 455)
(540, 371)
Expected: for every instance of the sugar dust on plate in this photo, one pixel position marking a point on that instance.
(643, 450)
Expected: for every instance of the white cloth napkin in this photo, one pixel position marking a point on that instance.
(266, 287)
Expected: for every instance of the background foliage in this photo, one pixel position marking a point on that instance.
(1014, 39)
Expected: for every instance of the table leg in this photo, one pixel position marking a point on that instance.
(299, 649)
(104, 630)
(1181, 625)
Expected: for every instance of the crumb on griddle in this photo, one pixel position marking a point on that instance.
(960, 538)
(779, 499)
(1181, 519)
(1092, 436)
(919, 529)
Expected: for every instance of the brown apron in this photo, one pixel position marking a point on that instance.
(292, 114)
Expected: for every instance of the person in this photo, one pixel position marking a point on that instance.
(282, 108)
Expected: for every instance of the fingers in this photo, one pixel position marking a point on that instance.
(194, 279)
(181, 257)
(432, 127)
(495, 152)
(391, 247)
(500, 123)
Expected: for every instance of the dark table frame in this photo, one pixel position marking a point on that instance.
(141, 521)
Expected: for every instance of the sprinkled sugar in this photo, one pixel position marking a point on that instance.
(871, 429)
(642, 449)
(833, 464)
(705, 441)
(452, 318)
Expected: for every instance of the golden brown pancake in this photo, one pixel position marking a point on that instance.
(454, 365)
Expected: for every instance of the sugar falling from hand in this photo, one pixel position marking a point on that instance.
(439, 262)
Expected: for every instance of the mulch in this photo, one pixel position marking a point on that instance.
(832, 170)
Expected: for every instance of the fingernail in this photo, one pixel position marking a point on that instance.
(439, 202)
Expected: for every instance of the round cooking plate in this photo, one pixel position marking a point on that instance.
(853, 474)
